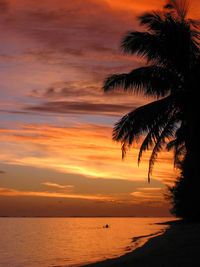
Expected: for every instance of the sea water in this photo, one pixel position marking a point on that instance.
(48, 242)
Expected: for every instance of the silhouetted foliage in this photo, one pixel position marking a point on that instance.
(184, 196)
(170, 46)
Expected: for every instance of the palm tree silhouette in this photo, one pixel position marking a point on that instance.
(170, 46)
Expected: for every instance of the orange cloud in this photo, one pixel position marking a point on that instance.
(149, 196)
(58, 185)
(153, 197)
(149, 189)
(146, 5)
(12, 192)
(80, 149)
(139, 6)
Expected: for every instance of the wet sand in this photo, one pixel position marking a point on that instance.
(179, 246)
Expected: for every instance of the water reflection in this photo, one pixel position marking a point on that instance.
(65, 241)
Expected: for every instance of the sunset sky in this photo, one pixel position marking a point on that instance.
(57, 155)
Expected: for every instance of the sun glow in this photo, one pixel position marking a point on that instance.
(83, 149)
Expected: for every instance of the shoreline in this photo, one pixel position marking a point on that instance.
(179, 245)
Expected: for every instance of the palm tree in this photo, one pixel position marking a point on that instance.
(170, 46)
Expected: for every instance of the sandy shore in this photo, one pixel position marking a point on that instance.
(179, 246)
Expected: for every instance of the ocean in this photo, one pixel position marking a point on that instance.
(48, 242)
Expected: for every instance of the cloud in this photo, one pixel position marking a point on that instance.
(70, 90)
(65, 107)
(86, 90)
(139, 6)
(86, 97)
(46, 16)
(10, 111)
(12, 192)
(149, 194)
(58, 185)
(145, 195)
(66, 17)
(83, 149)
(63, 50)
(149, 189)
(89, 29)
(4, 6)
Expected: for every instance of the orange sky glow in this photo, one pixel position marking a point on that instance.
(57, 155)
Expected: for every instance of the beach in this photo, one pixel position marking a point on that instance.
(178, 246)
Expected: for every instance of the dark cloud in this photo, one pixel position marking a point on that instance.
(81, 90)
(65, 92)
(4, 6)
(16, 112)
(48, 16)
(64, 107)
(71, 26)
(81, 37)
(73, 52)
(76, 97)
(24, 113)
(69, 89)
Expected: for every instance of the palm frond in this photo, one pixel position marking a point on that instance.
(153, 21)
(180, 6)
(178, 145)
(150, 80)
(149, 119)
(141, 119)
(154, 133)
(146, 144)
(171, 47)
(144, 44)
(115, 81)
(165, 42)
(167, 132)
